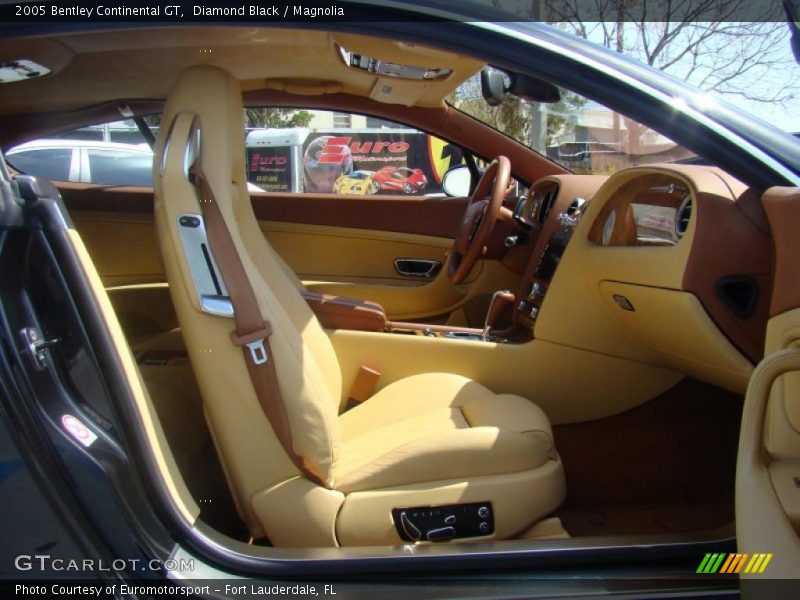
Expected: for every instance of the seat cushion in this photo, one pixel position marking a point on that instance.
(437, 427)
(411, 396)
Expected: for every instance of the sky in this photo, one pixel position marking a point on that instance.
(758, 79)
(786, 116)
(782, 72)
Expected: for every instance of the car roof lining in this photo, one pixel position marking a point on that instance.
(95, 67)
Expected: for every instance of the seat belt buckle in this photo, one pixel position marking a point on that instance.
(257, 352)
(255, 343)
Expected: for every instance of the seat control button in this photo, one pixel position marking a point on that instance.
(441, 534)
(449, 519)
(483, 512)
(412, 531)
(484, 526)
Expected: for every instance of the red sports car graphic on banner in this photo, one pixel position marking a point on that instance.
(400, 178)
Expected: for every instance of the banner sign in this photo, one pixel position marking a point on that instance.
(369, 162)
(270, 168)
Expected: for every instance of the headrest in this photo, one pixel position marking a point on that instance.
(211, 97)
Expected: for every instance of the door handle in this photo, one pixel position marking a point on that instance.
(417, 267)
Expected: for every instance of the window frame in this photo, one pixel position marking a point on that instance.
(73, 168)
(86, 170)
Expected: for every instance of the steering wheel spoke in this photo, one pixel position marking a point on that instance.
(479, 219)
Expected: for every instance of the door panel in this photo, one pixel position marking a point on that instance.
(345, 246)
(315, 251)
(123, 246)
(359, 263)
(768, 467)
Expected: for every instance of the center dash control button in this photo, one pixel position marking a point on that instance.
(450, 520)
(441, 534)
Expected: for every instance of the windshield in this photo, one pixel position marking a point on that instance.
(575, 132)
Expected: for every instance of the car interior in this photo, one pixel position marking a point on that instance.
(565, 370)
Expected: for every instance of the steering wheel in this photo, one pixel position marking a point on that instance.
(479, 219)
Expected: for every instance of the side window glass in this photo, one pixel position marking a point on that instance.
(113, 167)
(50, 163)
(317, 151)
(112, 153)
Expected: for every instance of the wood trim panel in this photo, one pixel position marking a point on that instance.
(433, 217)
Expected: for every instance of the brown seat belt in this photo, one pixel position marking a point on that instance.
(252, 332)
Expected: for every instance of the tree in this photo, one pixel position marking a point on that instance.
(274, 117)
(516, 117)
(509, 116)
(704, 42)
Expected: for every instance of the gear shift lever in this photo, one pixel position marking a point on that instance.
(498, 304)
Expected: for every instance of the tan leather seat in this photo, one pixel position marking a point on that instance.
(430, 439)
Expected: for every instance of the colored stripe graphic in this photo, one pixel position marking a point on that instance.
(702, 567)
(758, 562)
(752, 562)
(727, 564)
(740, 563)
(717, 563)
(764, 564)
(711, 563)
(734, 563)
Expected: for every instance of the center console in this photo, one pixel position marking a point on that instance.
(529, 305)
(434, 331)
(545, 259)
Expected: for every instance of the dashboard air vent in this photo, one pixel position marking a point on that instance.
(683, 217)
(576, 207)
(547, 204)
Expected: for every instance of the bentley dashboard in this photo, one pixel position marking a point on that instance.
(666, 263)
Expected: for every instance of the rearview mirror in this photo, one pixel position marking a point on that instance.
(496, 84)
(493, 86)
(534, 89)
(457, 181)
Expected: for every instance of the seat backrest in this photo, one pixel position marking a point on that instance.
(307, 369)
